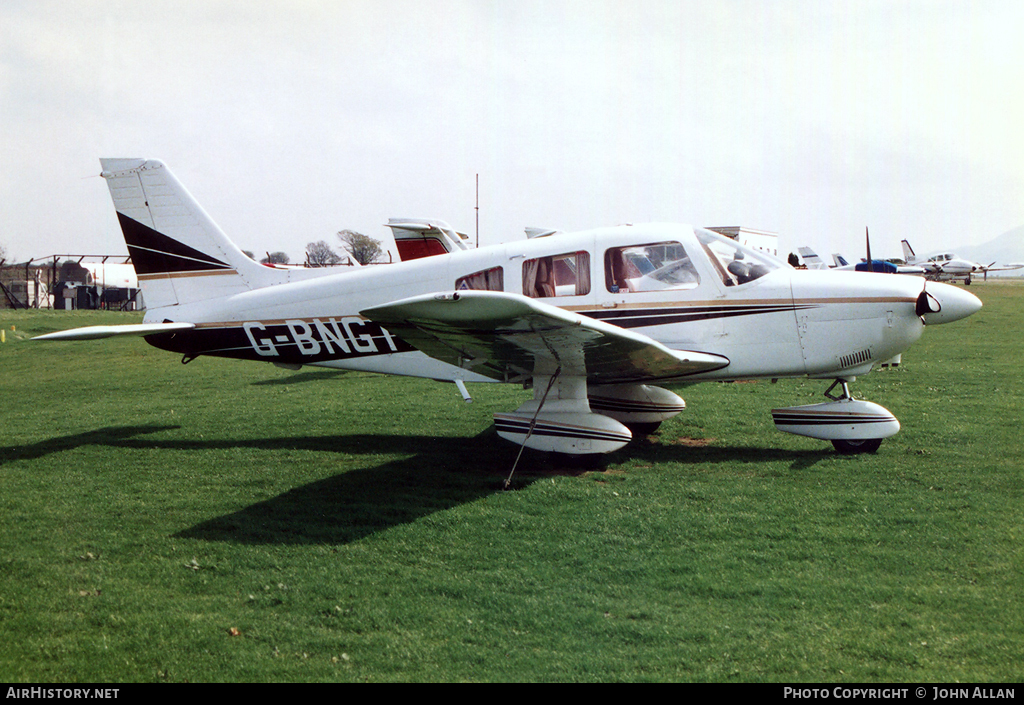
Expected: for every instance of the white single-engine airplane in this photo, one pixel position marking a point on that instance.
(947, 266)
(592, 321)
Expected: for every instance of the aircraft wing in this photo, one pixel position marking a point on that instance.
(511, 337)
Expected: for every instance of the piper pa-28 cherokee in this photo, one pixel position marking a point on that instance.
(592, 321)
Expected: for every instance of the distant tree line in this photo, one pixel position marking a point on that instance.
(320, 254)
(362, 248)
(275, 258)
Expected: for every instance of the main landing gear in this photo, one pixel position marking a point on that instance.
(581, 423)
(853, 425)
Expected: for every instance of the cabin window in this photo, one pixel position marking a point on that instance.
(734, 263)
(558, 275)
(487, 280)
(653, 267)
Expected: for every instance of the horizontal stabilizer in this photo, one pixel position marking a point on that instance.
(97, 332)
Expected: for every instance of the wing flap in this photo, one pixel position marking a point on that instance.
(507, 336)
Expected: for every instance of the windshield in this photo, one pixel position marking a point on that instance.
(734, 263)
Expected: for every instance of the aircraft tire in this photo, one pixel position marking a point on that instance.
(584, 461)
(643, 429)
(868, 445)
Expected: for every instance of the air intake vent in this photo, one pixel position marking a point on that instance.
(854, 359)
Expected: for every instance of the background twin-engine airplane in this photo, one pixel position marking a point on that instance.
(948, 266)
(593, 321)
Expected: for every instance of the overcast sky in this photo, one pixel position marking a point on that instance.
(291, 120)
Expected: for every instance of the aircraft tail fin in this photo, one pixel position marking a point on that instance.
(179, 253)
(420, 237)
(811, 259)
(908, 251)
(839, 260)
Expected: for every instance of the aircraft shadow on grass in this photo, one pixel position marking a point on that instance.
(109, 436)
(356, 504)
(361, 502)
(302, 378)
(352, 505)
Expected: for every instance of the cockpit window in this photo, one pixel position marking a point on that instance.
(733, 262)
(558, 275)
(660, 265)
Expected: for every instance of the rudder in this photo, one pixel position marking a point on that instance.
(908, 252)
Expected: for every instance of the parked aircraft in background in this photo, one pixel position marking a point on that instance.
(810, 259)
(421, 237)
(947, 266)
(867, 264)
(878, 265)
(106, 275)
(597, 323)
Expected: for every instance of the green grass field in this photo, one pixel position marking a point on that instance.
(228, 521)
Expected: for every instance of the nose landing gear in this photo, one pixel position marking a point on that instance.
(853, 425)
